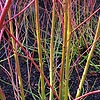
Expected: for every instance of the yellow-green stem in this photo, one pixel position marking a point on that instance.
(2, 95)
(67, 51)
(52, 51)
(88, 60)
(63, 49)
(16, 59)
(39, 49)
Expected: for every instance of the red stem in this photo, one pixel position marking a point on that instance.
(4, 12)
(86, 19)
(87, 94)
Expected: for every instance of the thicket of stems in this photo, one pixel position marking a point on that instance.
(66, 57)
